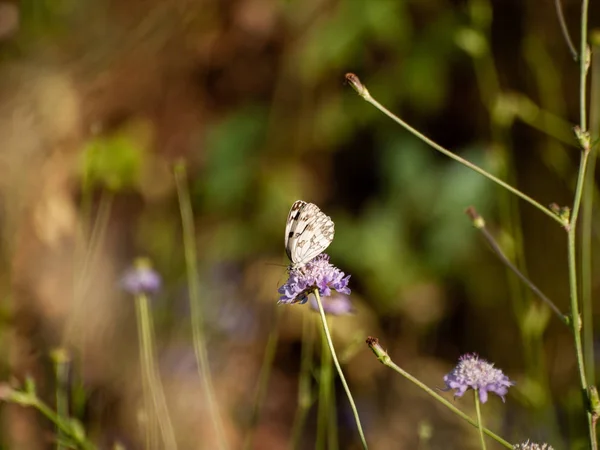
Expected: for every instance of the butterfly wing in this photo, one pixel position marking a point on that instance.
(310, 233)
(291, 224)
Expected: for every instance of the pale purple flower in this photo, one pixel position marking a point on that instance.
(141, 278)
(318, 273)
(532, 446)
(336, 305)
(475, 373)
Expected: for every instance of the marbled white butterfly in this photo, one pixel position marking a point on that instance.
(308, 232)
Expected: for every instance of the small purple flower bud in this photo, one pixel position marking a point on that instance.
(336, 305)
(532, 446)
(316, 274)
(475, 373)
(141, 278)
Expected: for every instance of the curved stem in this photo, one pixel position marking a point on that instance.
(565, 29)
(339, 369)
(364, 93)
(385, 359)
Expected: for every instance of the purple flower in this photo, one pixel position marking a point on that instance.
(532, 446)
(318, 273)
(336, 305)
(474, 373)
(141, 278)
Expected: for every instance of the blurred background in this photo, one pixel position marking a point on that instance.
(100, 99)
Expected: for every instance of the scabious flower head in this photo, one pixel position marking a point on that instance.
(318, 273)
(336, 305)
(475, 373)
(141, 278)
(532, 446)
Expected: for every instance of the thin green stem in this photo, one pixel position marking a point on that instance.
(339, 369)
(385, 359)
(587, 216)
(265, 375)
(152, 374)
(64, 426)
(584, 61)
(565, 29)
(191, 260)
(584, 140)
(479, 421)
(30, 399)
(364, 93)
(479, 223)
(305, 398)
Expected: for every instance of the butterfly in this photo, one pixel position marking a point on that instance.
(308, 232)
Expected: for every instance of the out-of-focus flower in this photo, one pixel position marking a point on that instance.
(532, 446)
(336, 305)
(141, 278)
(475, 373)
(318, 273)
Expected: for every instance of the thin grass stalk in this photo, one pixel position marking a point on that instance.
(191, 260)
(146, 335)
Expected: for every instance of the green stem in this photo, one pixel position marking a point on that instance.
(479, 223)
(339, 369)
(565, 29)
(364, 93)
(265, 375)
(62, 425)
(191, 260)
(583, 136)
(479, 421)
(385, 359)
(587, 217)
(30, 399)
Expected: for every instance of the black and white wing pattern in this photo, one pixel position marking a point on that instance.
(308, 232)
